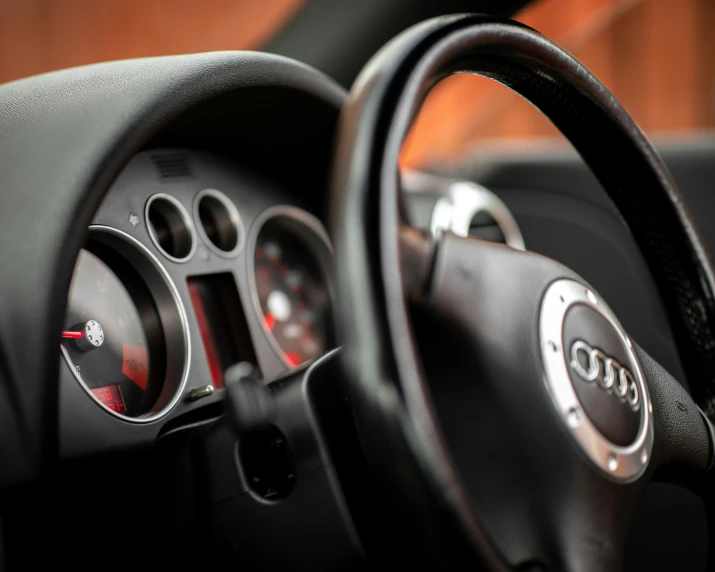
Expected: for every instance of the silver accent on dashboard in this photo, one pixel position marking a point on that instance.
(316, 235)
(234, 218)
(464, 199)
(201, 392)
(185, 219)
(93, 336)
(621, 463)
(183, 323)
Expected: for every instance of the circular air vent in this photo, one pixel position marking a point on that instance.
(170, 227)
(219, 222)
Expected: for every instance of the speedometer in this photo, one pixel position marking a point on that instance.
(292, 261)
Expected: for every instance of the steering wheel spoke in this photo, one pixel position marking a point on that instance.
(417, 254)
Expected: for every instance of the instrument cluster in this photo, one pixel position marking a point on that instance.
(192, 266)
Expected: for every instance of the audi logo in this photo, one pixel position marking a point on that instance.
(606, 372)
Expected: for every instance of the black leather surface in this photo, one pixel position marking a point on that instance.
(64, 136)
(528, 481)
(380, 350)
(564, 213)
(681, 431)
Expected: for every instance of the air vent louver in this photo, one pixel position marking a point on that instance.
(172, 166)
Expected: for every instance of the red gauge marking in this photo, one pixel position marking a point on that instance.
(269, 320)
(274, 257)
(293, 358)
(135, 364)
(206, 335)
(73, 335)
(263, 273)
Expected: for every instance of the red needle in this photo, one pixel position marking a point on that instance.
(73, 335)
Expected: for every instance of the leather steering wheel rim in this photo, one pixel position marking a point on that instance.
(393, 408)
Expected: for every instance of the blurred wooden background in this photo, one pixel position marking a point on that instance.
(657, 56)
(42, 35)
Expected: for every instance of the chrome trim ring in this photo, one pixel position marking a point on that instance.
(463, 201)
(175, 301)
(186, 219)
(619, 463)
(234, 216)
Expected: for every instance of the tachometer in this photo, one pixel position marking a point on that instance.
(292, 258)
(114, 338)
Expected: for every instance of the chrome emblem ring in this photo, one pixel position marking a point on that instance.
(580, 362)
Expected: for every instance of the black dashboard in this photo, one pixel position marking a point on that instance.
(191, 265)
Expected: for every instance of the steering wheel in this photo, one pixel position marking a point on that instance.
(495, 392)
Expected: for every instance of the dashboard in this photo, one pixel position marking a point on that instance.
(191, 265)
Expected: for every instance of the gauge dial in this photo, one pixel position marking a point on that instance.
(293, 290)
(112, 336)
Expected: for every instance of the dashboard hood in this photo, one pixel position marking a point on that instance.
(64, 137)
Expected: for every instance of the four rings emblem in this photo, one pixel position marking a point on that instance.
(591, 364)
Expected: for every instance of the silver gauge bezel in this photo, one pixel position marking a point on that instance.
(623, 464)
(234, 217)
(186, 219)
(308, 228)
(172, 316)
